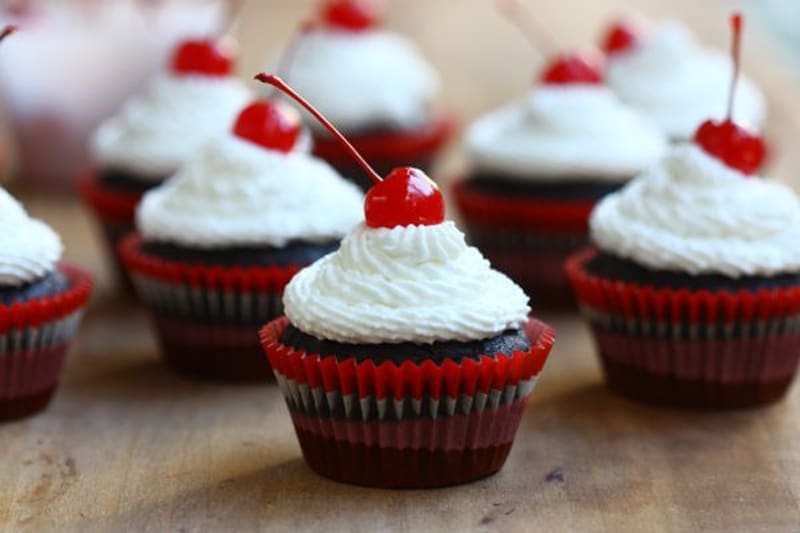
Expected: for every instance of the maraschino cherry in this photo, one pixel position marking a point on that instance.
(269, 123)
(729, 142)
(621, 37)
(352, 15)
(405, 197)
(565, 68)
(206, 57)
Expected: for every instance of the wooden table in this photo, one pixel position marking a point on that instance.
(126, 445)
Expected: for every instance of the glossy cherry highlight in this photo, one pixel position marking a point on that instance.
(572, 68)
(620, 37)
(406, 197)
(205, 57)
(353, 15)
(269, 124)
(736, 146)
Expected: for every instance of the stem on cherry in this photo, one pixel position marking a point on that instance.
(8, 30)
(521, 17)
(736, 44)
(278, 83)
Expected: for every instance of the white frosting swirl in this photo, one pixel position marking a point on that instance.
(405, 284)
(29, 248)
(574, 131)
(360, 79)
(679, 84)
(234, 192)
(158, 130)
(693, 214)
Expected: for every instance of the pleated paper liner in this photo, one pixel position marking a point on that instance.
(34, 338)
(528, 239)
(697, 349)
(387, 150)
(208, 317)
(398, 418)
(115, 211)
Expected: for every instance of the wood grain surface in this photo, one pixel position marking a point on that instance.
(125, 445)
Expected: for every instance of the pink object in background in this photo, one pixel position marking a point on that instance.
(72, 64)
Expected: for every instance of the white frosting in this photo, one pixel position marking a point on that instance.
(360, 79)
(570, 131)
(679, 84)
(29, 248)
(160, 128)
(693, 214)
(405, 284)
(234, 192)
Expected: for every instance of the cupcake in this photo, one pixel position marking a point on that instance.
(665, 74)
(692, 287)
(41, 303)
(393, 119)
(538, 166)
(219, 240)
(405, 360)
(158, 130)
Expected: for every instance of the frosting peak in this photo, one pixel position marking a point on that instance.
(394, 84)
(416, 284)
(568, 131)
(29, 248)
(678, 84)
(692, 213)
(236, 193)
(160, 128)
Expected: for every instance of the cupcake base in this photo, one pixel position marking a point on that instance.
(23, 406)
(386, 149)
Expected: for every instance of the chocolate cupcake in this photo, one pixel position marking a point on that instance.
(540, 165)
(405, 360)
(664, 73)
(219, 240)
(393, 120)
(158, 130)
(41, 303)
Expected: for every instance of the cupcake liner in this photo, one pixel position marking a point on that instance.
(528, 239)
(711, 343)
(409, 412)
(116, 212)
(34, 338)
(208, 317)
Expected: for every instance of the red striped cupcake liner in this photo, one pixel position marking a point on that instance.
(207, 317)
(388, 150)
(34, 338)
(528, 239)
(691, 348)
(406, 425)
(115, 211)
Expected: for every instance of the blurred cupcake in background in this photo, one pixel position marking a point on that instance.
(693, 287)
(539, 165)
(673, 80)
(373, 83)
(41, 303)
(219, 240)
(159, 129)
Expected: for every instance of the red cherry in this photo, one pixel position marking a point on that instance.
(269, 124)
(353, 15)
(621, 37)
(204, 57)
(572, 68)
(732, 144)
(405, 197)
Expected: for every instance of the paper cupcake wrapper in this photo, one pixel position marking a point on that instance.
(110, 205)
(34, 338)
(699, 336)
(327, 386)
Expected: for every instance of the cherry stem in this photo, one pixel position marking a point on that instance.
(522, 18)
(8, 30)
(275, 81)
(736, 45)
